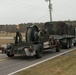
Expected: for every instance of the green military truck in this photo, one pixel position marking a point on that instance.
(63, 31)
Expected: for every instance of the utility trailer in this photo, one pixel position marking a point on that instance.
(39, 40)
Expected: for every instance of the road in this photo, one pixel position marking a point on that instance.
(9, 65)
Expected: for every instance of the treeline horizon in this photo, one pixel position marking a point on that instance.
(11, 28)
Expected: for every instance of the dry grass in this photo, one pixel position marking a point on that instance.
(4, 41)
(7, 34)
(62, 65)
(10, 34)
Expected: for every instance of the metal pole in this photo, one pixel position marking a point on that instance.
(6, 30)
(50, 9)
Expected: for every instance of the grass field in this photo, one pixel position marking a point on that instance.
(7, 34)
(62, 65)
(5, 41)
(10, 34)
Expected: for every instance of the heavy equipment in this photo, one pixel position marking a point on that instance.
(53, 35)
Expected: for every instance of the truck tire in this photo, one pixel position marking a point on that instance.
(75, 44)
(67, 45)
(58, 47)
(70, 45)
(10, 55)
(39, 51)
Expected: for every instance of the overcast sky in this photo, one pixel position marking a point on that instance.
(24, 11)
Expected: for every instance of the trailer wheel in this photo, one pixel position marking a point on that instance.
(67, 45)
(58, 47)
(70, 45)
(74, 44)
(10, 55)
(39, 51)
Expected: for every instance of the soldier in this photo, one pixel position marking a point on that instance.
(18, 37)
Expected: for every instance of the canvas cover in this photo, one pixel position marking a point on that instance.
(59, 28)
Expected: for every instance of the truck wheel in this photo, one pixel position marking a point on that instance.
(70, 45)
(58, 48)
(10, 55)
(74, 44)
(67, 46)
(39, 51)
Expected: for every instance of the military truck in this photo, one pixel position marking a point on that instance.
(53, 35)
(62, 31)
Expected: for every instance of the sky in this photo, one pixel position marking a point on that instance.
(25, 11)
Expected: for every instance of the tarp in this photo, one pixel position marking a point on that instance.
(59, 28)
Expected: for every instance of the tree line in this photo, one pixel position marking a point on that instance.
(12, 27)
(23, 26)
